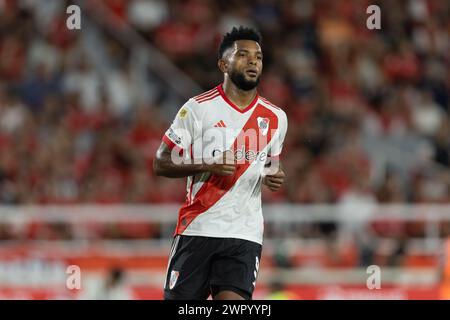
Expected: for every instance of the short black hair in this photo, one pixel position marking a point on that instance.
(241, 33)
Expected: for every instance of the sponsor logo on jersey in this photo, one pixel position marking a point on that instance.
(183, 113)
(245, 155)
(249, 155)
(175, 138)
(173, 279)
(220, 124)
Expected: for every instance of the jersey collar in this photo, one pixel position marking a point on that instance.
(231, 104)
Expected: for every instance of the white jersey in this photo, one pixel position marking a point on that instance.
(226, 206)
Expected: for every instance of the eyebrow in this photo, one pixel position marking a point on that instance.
(245, 50)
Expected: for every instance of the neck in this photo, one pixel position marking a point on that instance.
(239, 97)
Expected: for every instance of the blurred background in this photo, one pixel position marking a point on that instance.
(367, 154)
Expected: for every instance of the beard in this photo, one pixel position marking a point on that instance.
(239, 80)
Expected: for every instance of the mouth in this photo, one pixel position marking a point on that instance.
(252, 73)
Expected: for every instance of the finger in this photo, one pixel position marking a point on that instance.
(227, 173)
(224, 172)
(273, 185)
(275, 178)
(270, 179)
(229, 167)
(279, 174)
(228, 170)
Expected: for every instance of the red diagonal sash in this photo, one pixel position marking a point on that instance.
(216, 187)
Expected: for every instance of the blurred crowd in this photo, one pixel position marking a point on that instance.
(368, 110)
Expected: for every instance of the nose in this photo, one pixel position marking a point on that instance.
(252, 61)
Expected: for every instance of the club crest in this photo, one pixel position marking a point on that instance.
(263, 124)
(173, 279)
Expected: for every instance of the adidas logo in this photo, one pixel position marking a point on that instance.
(220, 124)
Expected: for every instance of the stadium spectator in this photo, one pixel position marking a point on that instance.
(82, 113)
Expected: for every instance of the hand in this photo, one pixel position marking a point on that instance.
(223, 165)
(274, 181)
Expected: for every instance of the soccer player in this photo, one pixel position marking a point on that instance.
(229, 140)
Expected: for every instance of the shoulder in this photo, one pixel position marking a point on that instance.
(275, 109)
(198, 104)
(206, 96)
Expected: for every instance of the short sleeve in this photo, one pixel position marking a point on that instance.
(277, 145)
(184, 128)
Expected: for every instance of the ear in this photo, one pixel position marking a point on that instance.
(223, 65)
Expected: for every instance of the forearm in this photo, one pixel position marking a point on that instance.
(164, 166)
